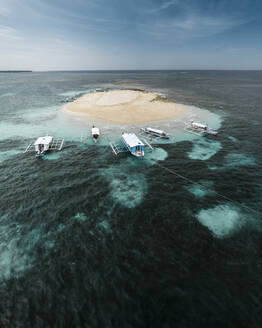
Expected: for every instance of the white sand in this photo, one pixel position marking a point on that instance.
(115, 97)
(126, 107)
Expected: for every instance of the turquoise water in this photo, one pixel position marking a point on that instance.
(88, 239)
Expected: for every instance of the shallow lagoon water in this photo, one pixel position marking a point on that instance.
(8, 94)
(234, 160)
(91, 239)
(202, 189)
(8, 153)
(129, 190)
(204, 149)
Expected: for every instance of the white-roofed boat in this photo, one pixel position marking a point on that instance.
(199, 128)
(133, 144)
(155, 133)
(95, 133)
(44, 144)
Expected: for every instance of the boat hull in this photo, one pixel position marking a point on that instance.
(213, 132)
(138, 154)
(95, 138)
(40, 154)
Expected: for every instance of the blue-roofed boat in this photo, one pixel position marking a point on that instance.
(133, 144)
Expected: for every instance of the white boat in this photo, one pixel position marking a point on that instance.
(155, 133)
(200, 128)
(133, 144)
(95, 133)
(42, 144)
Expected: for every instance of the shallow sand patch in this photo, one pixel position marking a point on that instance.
(222, 220)
(204, 149)
(204, 188)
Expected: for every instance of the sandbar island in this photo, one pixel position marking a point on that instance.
(125, 107)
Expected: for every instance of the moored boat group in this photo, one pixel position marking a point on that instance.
(130, 141)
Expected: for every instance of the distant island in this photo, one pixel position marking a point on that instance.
(16, 71)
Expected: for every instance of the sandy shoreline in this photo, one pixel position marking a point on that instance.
(126, 107)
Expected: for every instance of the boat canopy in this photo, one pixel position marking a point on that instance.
(155, 130)
(132, 140)
(43, 140)
(199, 125)
(95, 131)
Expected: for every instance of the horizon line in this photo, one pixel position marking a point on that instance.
(122, 70)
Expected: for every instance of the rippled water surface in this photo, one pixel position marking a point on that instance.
(88, 239)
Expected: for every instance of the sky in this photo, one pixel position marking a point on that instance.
(130, 34)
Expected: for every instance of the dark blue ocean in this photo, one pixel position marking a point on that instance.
(88, 239)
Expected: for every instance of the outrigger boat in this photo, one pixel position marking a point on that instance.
(134, 145)
(44, 144)
(155, 133)
(95, 133)
(199, 128)
(131, 143)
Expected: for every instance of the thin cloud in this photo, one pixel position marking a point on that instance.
(195, 22)
(201, 26)
(163, 6)
(4, 11)
(7, 32)
(192, 26)
(190, 20)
